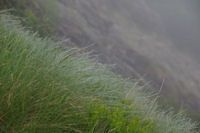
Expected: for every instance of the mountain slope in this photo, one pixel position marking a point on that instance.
(132, 35)
(46, 89)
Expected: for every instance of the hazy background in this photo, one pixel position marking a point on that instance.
(148, 40)
(181, 22)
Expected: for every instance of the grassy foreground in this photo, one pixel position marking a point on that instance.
(45, 89)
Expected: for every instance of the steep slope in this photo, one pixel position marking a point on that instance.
(45, 89)
(132, 35)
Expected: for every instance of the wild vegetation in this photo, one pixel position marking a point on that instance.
(44, 88)
(38, 15)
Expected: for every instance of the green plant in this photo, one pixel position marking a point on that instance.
(39, 16)
(45, 89)
(118, 119)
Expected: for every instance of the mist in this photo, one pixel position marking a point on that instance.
(181, 23)
(167, 32)
(152, 40)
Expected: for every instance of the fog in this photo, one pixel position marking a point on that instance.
(153, 40)
(168, 32)
(181, 22)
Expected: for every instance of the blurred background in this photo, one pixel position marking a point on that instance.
(152, 41)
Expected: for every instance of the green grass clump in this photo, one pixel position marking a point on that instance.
(44, 88)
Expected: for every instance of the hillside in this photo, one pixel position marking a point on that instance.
(143, 39)
(139, 39)
(46, 89)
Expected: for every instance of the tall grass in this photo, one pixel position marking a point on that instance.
(46, 89)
